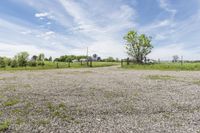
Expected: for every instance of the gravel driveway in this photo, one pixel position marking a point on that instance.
(108, 99)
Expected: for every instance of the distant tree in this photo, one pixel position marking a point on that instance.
(7, 61)
(50, 58)
(95, 56)
(34, 57)
(117, 59)
(14, 63)
(41, 57)
(22, 58)
(175, 58)
(2, 62)
(46, 59)
(56, 59)
(32, 63)
(109, 59)
(138, 46)
(98, 58)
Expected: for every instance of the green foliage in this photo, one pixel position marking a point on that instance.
(2, 62)
(69, 58)
(165, 66)
(11, 102)
(41, 57)
(53, 65)
(138, 46)
(109, 59)
(4, 126)
(22, 58)
(41, 63)
(14, 63)
(50, 58)
(7, 61)
(32, 63)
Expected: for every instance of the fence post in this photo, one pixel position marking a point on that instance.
(91, 63)
(87, 62)
(69, 64)
(57, 65)
(81, 63)
(121, 62)
(127, 61)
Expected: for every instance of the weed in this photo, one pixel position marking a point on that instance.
(11, 102)
(4, 125)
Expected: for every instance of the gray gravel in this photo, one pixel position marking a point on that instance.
(99, 100)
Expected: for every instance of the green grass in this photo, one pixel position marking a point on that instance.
(11, 102)
(53, 65)
(165, 66)
(4, 126)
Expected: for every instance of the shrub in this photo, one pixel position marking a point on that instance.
(32, 63)
(14, 63)
(41, 63)
(2, 63)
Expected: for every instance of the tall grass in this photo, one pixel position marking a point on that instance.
(53, 65)
(165, 66)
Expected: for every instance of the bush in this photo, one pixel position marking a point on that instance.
(22, 58)
(2, 63)
(14, 63)
(32, 63)
(41, 63)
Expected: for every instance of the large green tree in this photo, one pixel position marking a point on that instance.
(138, 46)
(22, 58)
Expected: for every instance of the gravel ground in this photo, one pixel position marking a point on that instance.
(106, 99)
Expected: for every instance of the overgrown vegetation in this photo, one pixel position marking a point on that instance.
(165, 66)
(22, 62)
(4, 125)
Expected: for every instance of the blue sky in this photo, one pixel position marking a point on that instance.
(58, 27)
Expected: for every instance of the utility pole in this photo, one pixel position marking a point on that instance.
(87, 52)
(87, 57)
(181, 60)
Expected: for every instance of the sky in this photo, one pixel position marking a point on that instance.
(59, 27)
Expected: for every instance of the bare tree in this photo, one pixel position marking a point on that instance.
(175, 58)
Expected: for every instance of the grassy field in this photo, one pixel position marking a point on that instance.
(165, 66)
(53, 65)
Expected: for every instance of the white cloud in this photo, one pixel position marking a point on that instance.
(166, 6)
(40, 15)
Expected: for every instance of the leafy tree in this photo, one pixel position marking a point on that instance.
(41, 57)
(109, 59)
(175, 58)
(50, 58)
(22, 58)
(34, 57)
(14, 63)
(138, 46)
(46, 59)
(98, 58)
(32, 63)
(6, 60)
(2, 62)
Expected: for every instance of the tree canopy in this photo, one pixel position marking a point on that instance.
(138, 46)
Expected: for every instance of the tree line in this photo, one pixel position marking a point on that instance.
(23, 59)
